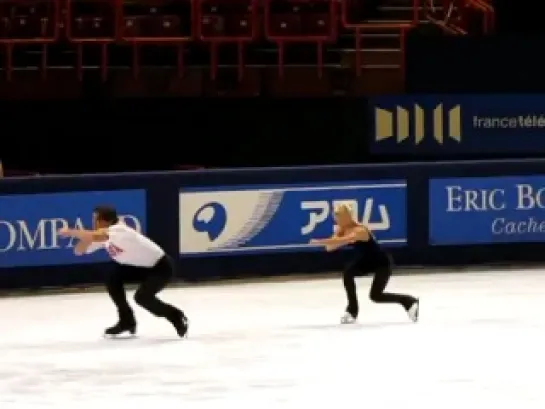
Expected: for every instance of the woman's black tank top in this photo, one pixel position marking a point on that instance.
(370, 252)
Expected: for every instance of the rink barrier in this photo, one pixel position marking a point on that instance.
(257, 222)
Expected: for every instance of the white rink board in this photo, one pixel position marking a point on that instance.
(480, 343)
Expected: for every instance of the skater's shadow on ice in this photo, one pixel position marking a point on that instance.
(59, 346)
(359, 326)
(101, 344)
(292, 330)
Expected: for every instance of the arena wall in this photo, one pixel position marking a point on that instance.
(257, 222)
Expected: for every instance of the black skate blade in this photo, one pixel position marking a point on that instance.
(120, 337)
(182, 335)
(182, 328)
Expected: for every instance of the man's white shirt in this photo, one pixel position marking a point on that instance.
(127, 246)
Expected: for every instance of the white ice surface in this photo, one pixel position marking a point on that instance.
(480, 344)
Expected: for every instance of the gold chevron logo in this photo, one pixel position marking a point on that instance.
(399, 122)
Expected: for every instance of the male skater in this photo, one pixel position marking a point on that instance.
(136, 257)
(368, 257)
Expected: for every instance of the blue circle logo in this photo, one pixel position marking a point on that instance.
(211, 219)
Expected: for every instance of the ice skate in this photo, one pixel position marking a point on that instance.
(414, 310)
(121, 328)
(348, 318)
(181, 324)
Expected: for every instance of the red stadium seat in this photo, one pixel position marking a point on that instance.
(359, 28)
(486, 7)
(28, 22)
(454, 16)
(227, 22)
(156, 22)
(300, 21)
(91, 22)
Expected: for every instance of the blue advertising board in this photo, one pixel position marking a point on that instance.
(487, 210)
(457, 124)
(29, 224)
(275, 218)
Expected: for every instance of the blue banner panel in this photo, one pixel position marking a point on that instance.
(29, 224)
(272, 218)
(457, 124)
(487, 210)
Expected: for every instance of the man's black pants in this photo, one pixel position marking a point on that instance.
(382, 274)
(152, 281)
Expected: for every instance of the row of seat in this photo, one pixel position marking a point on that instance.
(177, 22)
(28, 21)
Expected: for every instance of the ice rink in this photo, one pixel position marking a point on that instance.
(480, 343)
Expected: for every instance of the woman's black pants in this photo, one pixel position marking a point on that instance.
(382, 274)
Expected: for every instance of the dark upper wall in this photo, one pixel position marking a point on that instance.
(494, 64)
(61, 135)
(156, 134)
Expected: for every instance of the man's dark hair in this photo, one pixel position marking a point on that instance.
(107, 214)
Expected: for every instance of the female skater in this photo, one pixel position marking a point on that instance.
(368, 257)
